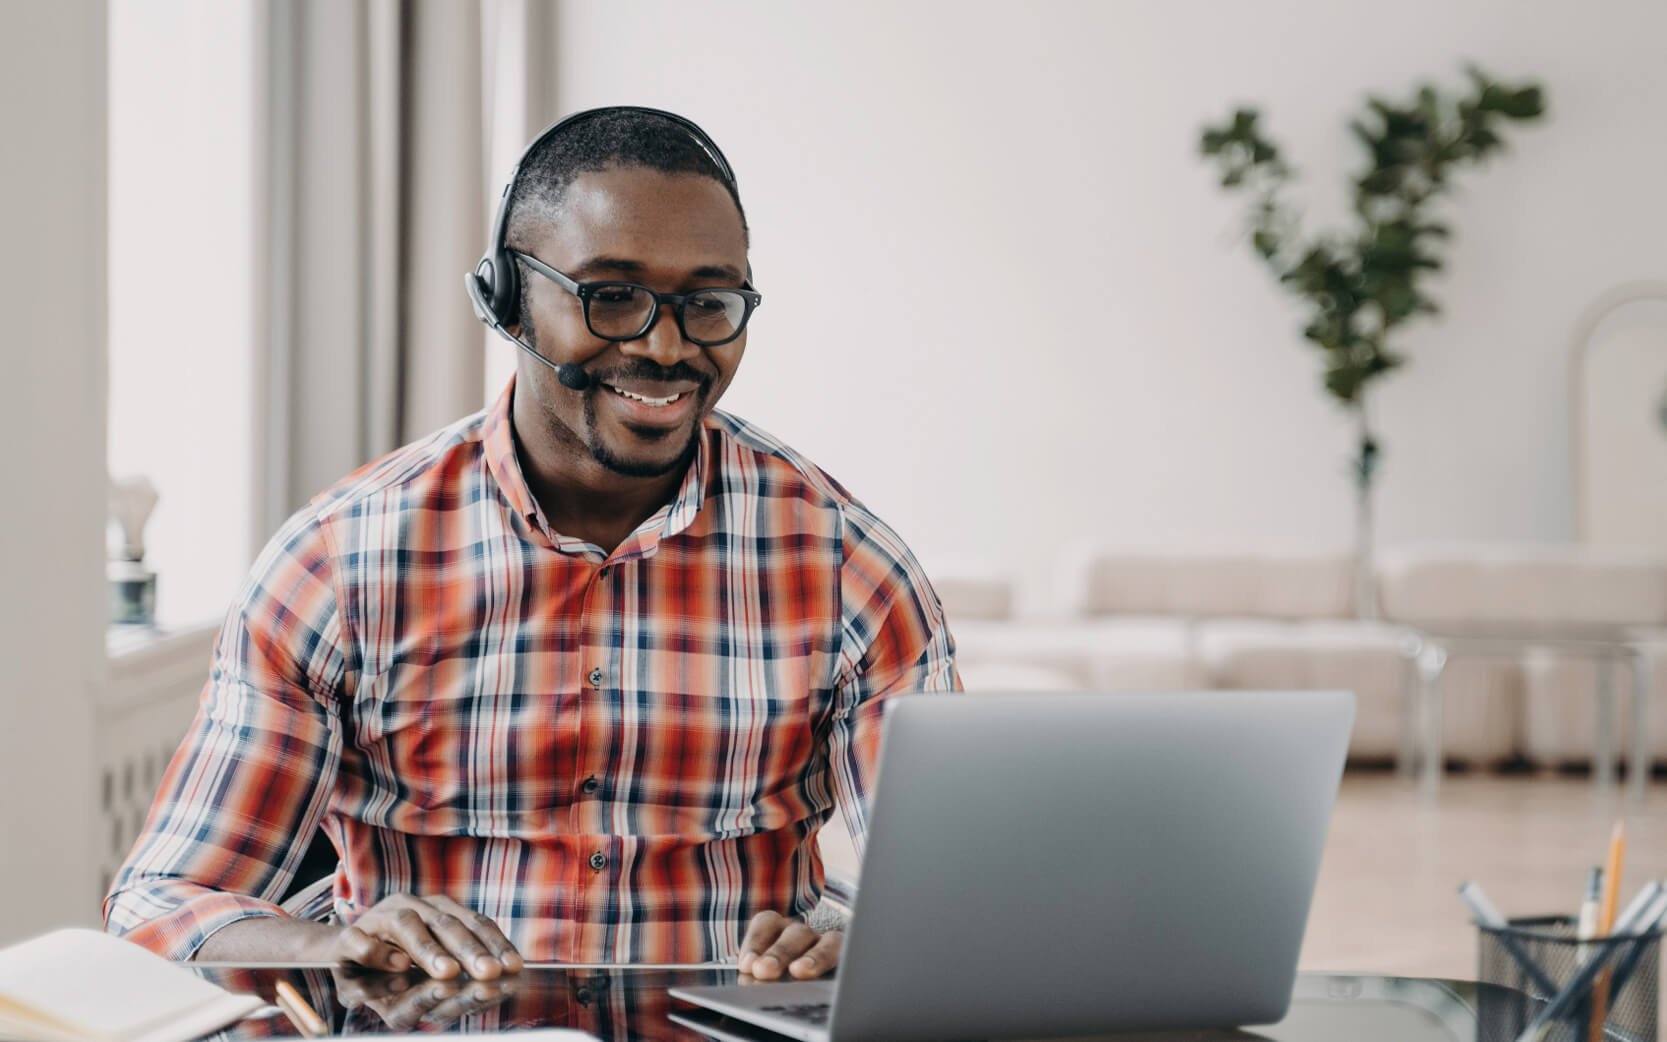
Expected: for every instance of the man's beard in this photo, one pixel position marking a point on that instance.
(642, 369)
(600, 452)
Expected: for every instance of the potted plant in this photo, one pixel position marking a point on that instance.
(1362, 282)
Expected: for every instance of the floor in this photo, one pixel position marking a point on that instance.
(1387, 896)
(1387, 899)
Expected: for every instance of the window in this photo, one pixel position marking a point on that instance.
(182, 288)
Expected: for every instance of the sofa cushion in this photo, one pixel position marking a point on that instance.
(1481, 699)
(970, 596)
(1528, 586)
(1259, 585)
(997, 677)
(1370, 659)
(1098, 654)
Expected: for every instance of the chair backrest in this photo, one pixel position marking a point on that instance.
(1618, 418)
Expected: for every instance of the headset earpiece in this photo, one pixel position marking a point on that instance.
(506, 287)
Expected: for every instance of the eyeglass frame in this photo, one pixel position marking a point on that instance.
(583, 290)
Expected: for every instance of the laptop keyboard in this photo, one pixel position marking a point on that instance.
(809, 1012)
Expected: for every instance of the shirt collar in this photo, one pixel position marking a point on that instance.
(498, 437)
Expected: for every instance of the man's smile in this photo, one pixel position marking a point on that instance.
(652, 403)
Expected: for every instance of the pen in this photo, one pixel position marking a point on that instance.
(1606, 925)
(1589, 909)
(1487, 915)
(299, 1013)
(1648, 923)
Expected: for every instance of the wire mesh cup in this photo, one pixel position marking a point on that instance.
(1540, 983)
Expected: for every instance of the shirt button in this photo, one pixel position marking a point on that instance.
(596, 677)
(590, 785)
(599, 861)
(585, 996)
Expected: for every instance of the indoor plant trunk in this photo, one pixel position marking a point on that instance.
(1365, 471)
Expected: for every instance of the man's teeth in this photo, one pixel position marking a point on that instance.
(645, 399)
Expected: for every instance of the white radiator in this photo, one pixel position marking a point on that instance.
(155, 679)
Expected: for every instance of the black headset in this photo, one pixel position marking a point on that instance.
(494, 286)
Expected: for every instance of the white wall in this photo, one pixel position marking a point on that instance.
(1063, 335)
(52, 401)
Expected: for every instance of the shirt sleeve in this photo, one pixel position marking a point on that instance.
(894, 642)
(252, 779)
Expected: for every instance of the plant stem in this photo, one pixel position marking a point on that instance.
(1365, 472)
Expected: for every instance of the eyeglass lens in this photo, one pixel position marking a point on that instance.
(708, 316)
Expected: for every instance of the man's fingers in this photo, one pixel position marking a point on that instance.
(437, 935)
(762, 932)
(486, 930)
(407, 929)
(360, 948)
(793, 942)
(822, 957)
(463, 945)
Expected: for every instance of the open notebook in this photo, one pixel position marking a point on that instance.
(86, 986)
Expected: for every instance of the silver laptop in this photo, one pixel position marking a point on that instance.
(1053, 865)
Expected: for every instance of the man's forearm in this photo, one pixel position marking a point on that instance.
(269, 939)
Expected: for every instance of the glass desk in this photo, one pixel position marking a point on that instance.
(622, 1004)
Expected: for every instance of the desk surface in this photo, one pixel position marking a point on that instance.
(621, 1004)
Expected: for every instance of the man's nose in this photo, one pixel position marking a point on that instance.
(664, 343)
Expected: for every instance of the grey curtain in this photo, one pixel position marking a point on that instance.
(381, 141)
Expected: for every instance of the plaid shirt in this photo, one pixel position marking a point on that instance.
(617, 757)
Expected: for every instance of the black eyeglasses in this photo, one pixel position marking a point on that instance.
(626, 311)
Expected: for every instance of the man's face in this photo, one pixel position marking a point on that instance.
(670, 232)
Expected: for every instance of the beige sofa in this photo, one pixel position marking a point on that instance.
(1125, 622)
(1138, 622)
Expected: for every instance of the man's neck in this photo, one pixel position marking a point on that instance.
(580, 498)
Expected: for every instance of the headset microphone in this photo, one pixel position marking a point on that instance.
(571, 376)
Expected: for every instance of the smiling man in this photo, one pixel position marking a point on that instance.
(577, 678)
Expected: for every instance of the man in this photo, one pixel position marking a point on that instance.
(577, 678)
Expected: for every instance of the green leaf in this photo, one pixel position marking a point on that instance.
(1344, 384)
(1381, 182)
(1527, 103)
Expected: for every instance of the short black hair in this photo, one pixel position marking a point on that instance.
(623, 137)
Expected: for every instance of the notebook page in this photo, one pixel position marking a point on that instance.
(90, 985)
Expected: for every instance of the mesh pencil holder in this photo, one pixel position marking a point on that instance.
(1539, 981)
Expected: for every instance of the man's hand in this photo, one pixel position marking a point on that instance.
(435, 934)
(775, 943)
(403, 1001)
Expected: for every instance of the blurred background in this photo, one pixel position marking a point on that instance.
(1009, 306)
